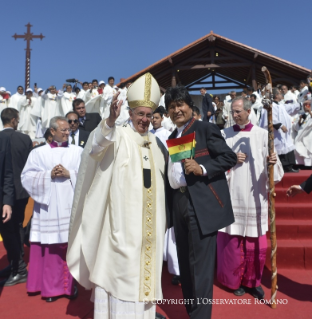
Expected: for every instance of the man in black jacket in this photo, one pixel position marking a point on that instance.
(21, 145)
(87, 121)
(207, 106)
(306, 186)
(198, 201)
(77, 136)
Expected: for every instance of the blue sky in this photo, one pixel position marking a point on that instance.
(97, 39)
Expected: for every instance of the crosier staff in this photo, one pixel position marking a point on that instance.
(267, 104)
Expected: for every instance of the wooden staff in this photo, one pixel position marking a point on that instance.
(267, 103)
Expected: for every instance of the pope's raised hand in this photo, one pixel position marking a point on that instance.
(114, 110)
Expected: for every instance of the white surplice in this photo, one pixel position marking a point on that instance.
(67, 102)
(248, 182)
(28, 122)
(106, 233)
(37, 113)
(290, 97)
(303, 141)
(227, 113)
(282, 141)
(14, 100)
(53, 197)
(82, 95)
(51, 107)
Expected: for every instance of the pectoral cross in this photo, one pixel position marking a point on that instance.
(28, 37)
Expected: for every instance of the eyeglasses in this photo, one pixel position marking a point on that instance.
(142, 115)
(72, 121)
(65, 130)
(235, 112)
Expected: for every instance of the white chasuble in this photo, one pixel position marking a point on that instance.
(53, 197)
(14, 100)
(67, 102)
(248, 182)
(28, 122)
(118, 216)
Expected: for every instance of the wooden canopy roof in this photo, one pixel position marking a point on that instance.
(216, 62)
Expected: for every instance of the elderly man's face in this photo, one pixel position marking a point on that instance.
(61, 133)
(240, 116)
(141, 118)
(73, 121)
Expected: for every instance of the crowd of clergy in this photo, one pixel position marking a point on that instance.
(98, 138)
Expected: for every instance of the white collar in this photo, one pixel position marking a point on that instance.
(243, 126)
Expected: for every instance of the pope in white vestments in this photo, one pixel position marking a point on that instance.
(118, 216)
(49, 177)
(241, 246)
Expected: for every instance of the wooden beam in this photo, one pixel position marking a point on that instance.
(200, 79)
(230, 79)
(218, 88)
(213, 65)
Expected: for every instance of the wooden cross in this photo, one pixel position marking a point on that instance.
(28, 37)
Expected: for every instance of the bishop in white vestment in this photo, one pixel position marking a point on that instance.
(15, 98)
(118, 216)
(49, 177)
(241, 246)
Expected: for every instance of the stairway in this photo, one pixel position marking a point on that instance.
(293, 225)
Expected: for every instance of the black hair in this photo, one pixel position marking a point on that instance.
(76, 102)
(85, 83)
(20, 86)
(253, 95)
(47, 134)
(72, 112)
(160, 111)
(8, 114)
(162, 108)
(250, 89)
(67, 85)
(303, 81)
(95, 80)
(111, 78)
(196, 110)
(178, 94)
(203, 89)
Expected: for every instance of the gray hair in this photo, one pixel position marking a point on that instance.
(246, 102)
(54, 120)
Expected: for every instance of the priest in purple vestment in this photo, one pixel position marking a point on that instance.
(49, 177)
(241, 246)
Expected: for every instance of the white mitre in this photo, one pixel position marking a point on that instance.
(144, 91)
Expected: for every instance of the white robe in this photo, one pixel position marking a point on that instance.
(290, 97)
(4, 103)
(227, 113)
(162, 134)
(303, 142)
(108, 94)
(250, 197)
(37, 112)
(106, 233)
(28, 122)
(14, 100)
(168, 124)
(53, 197)
(82, 95)
(67, 102)
(124, 110)
(51, 107)
(282, 141)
